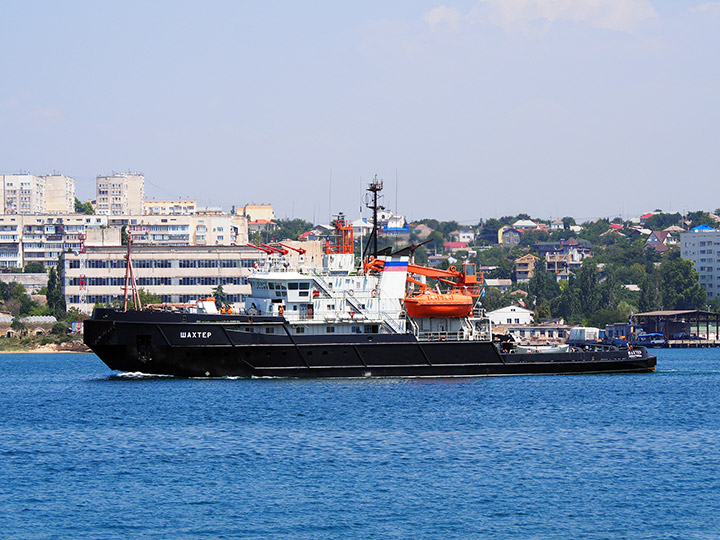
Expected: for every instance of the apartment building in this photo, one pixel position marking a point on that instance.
(120, 194)
(41, 238)
(31, 194)
(187, 230)
(171, 208)
(59, 194)
(702, 246)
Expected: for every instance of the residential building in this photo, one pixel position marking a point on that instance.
(454, 246)
(170, 208)
(525, 267)
(463, 235)
(500, 284)
(42, 237)
(184, 230)
(508, 237)
(255, 212)
(702, 246)
(524, 224)
(59, 194)
(22, 194)
(120, 194)
(511, 315)
(658, 240)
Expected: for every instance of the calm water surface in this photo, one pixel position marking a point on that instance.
(85, 454)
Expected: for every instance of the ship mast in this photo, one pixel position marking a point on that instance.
(372, 203)
(130, 280)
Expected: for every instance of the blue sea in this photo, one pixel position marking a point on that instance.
(89, 454)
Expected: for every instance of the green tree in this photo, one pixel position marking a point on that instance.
(650, 294)
(662, 221)
(34, 268)
(567, 305)
(290, 229)
(489, 232)
(543, 286)
(680, 286)
(587, 286)
(221, 297)
(55, 298)
(83, 207)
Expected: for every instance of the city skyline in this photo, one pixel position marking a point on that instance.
(467, 110)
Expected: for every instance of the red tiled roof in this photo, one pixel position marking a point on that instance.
(454, 245)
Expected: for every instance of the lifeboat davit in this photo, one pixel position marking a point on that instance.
(429, 304)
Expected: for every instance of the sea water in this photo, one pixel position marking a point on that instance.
(88, 454)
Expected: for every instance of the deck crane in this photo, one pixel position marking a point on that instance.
(466, 281)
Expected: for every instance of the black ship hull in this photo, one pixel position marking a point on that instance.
(189, 345)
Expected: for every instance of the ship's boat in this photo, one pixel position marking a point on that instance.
(429, 304)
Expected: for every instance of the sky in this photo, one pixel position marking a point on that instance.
(467, 110)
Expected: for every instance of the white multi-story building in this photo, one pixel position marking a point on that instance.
(42, 237)
(171, 208)
(23, 194)
(191, 230)
(120, 194)
(59, 194)
(702, 247)
(30, 194)
(177, 274)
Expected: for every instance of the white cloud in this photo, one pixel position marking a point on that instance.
(442, 15)
(622, 15)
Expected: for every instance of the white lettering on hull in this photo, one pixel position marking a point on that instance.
(195, 335)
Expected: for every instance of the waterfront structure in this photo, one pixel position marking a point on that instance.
(41, 238)
(171, 208)
(702, 246)
(120, 194)
(177, 274)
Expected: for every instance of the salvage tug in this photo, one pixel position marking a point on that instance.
(342, 321)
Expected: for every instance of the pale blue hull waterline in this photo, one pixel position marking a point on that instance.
(85, 454)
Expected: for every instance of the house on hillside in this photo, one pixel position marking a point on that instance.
(508, 237)
(454, 246)
(525, 224)
(645, 217)
(463, 235)
(525, 267)
(658, 240)
(500, 284)
(511, 315)
(557, 225)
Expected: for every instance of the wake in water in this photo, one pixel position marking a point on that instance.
(133, 375)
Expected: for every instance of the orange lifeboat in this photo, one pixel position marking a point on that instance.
(430, 304)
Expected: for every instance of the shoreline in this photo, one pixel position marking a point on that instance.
(50, 348)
